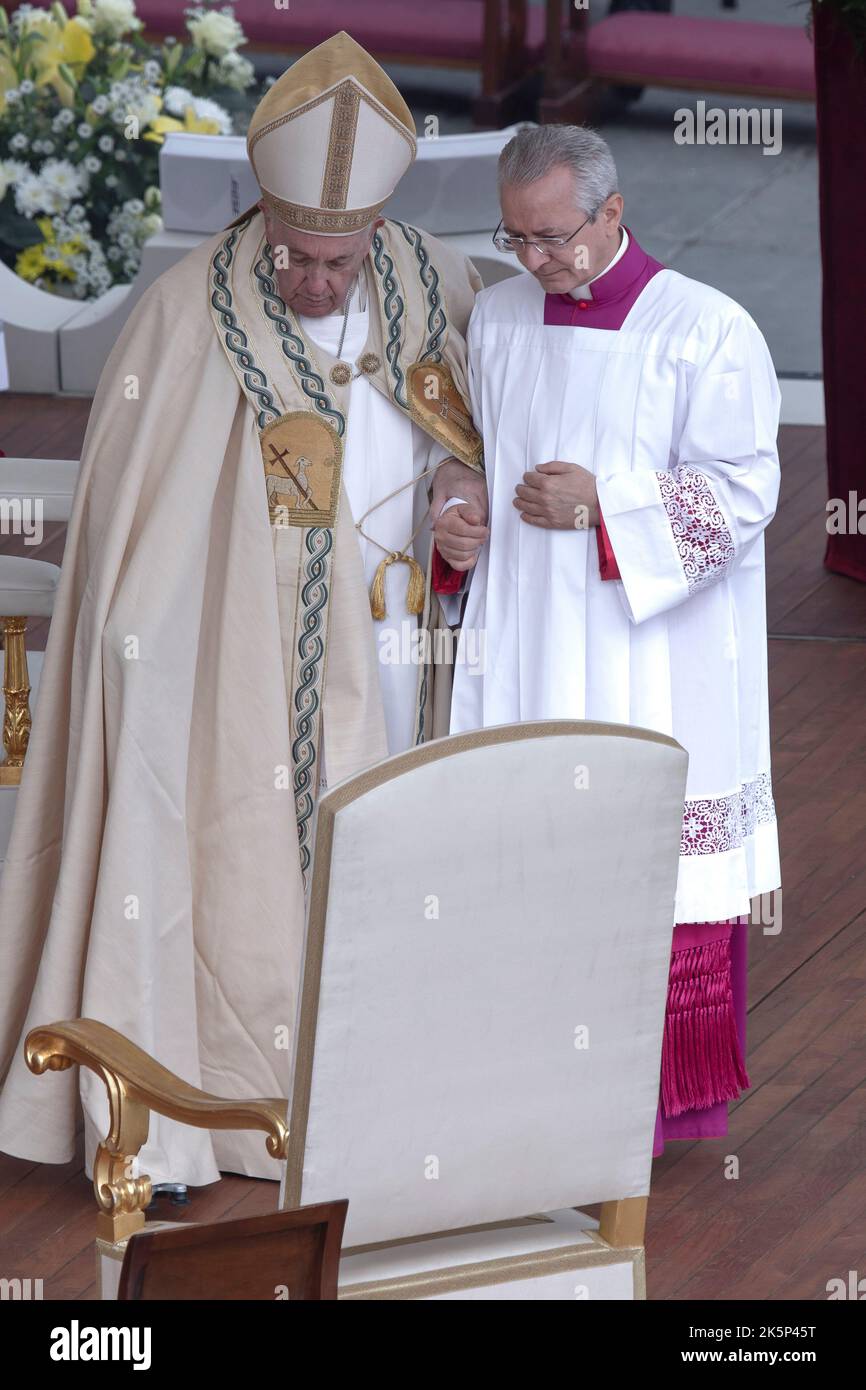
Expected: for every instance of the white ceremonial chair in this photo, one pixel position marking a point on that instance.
(31, 491)
(478, 1040)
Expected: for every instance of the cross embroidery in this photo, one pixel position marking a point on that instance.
(297, 480)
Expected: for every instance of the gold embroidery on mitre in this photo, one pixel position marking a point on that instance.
(303, 457)
(341, 146)
(329, 223)
(438, 407)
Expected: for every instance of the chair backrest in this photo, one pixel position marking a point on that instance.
(484, 985)
(48, 482)
(290, 1254)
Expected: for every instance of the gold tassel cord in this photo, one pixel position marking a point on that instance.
(416, 588)
(414, 591)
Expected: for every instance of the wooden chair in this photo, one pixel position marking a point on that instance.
(27, 590)
(635, 49)
(501, 39)
(292, 1254)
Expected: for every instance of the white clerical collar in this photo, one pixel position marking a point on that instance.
(583, 291)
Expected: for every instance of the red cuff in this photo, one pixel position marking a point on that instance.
(445, 580)
(607, 566)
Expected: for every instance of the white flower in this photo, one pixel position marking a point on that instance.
(120, 156)
(92, 164)
(175, 100)
(64, 180)
(48, 146)
(26, 18)
(12, 96)
(202, 107)
(113, 253)
(36, 147)
(76, 213)
(113, 18)
(152, 71)
(65, 117)
(31, 197)
(106, 144)
(125, 240)
(26, 87)
(132, 97)
(100, 105)
(111, 181)
(214, 32)
(11, 170)
(135, 205)
(234, 71)
(19, 142)
(85, 130)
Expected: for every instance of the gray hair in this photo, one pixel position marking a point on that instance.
(534, 151)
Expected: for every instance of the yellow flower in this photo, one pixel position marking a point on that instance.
(8, 78)
(191, 125)
(77, 45)
(69, 43)
(32, 262)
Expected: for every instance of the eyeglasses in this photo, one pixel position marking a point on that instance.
(503, 242)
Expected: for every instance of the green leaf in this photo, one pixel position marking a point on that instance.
(16, 231)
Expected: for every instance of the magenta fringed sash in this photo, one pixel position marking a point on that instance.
(702, 1063)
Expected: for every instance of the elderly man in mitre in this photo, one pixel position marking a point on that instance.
(629, 418)
(250, 527)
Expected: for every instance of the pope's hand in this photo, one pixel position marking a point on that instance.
(557, 495)
(459, 534)
(454, 479)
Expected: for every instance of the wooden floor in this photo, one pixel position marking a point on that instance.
(795, 1216)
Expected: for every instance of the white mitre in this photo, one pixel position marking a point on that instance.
(330, 141)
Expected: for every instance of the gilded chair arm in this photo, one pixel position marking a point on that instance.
(137, 1084)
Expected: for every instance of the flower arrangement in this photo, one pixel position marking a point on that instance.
(850, 13)
(85, 103)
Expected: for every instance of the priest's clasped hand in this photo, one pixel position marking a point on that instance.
(460, 532)
(561, 496)
(459, 536)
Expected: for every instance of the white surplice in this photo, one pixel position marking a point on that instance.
(676, 413)
(383, 450)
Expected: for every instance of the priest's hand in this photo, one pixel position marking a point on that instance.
(459, 535)
(557, 495)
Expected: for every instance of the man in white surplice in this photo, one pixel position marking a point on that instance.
(629, 418)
